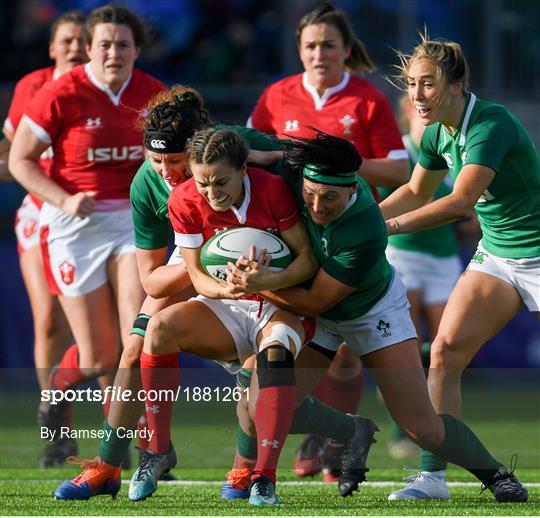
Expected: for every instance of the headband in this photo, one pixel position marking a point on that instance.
(319, 174)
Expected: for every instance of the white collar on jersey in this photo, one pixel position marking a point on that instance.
(320, 101)
(115, 98)
(56, 74)
(465, 123)
(241, 213)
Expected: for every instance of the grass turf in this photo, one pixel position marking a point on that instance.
(204, 438)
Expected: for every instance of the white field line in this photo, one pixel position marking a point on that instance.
(381, 483)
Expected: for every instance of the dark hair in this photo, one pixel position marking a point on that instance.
(359, 59)
(336, 155)
(119, 15)
(447, 56)
(210, 145)
(72, 16)
(178, 111)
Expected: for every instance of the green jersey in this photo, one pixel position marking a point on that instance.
(509, 209)
(351, 250)
(439, 241)
(149, 194)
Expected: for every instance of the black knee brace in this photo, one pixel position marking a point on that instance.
(140, 325)
(275, 367)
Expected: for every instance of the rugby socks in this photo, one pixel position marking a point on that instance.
(274, 408)
(160, 373)
(68, 374)
(431, 462)
(273, 415)
(113, 449)
(343, 395)
(315, 417)
(462, 447)
(246, 445)
(142, 429)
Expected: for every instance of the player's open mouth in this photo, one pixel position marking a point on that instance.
(423, 110)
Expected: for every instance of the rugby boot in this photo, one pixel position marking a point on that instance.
(97, 478)
(237, 484)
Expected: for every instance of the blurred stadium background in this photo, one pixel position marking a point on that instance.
(231, 49)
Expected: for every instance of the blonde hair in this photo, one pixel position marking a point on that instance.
(358, 60)
(447, 56)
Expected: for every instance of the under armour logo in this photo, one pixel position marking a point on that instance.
(93, 123)
(158, 144)
(266, 442)
(292, 125)
(154, 409)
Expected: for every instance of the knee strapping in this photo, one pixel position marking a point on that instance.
(275, 367)
(140, 324)
(243, 378)
(282, 333)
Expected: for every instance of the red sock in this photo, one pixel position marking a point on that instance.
(106, 407)
(68, 373)
(142, 431)
(343, 395)
(158, 373)
(274, 411)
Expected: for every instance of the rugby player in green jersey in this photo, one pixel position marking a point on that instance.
(496, 172)
(168, 121)
(359, 300)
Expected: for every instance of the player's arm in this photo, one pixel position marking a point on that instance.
(472, 181)
(385, 172)
(158, 278)
(252, 275)
(26, 149)
(325, 292)
(202, 282)
(414, 194)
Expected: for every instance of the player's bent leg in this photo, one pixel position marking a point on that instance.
(169, 332)
(238, 478)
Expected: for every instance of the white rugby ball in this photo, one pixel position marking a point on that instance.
(229, 245)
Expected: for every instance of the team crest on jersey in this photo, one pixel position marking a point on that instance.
(292, 125)
(67, 272)
(94, 123)
(347, 122)
(29, 228)
(324, 243)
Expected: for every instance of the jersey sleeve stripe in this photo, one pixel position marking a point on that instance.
(397, 154)
(188, 240)
(38, 131)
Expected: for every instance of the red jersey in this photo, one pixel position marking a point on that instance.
(24, 92)
(354, 109)
(96, 146)
(268, 205)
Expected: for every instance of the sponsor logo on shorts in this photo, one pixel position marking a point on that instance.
(67, 272)
(383, 327)
(29, 228)
(478, 257)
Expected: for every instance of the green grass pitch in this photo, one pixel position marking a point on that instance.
(204, 439)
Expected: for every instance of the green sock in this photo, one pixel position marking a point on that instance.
(245, 444)
(462, 447)
(396, 433)
(430, 462)
(113, 449)
(315, 417)
(425, 353)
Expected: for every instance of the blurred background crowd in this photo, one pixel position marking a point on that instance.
(231, 49)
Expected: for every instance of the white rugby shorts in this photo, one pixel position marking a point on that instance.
(523, 274)
(27, 224)
(387, 323)
(435, 277)
(75, 250)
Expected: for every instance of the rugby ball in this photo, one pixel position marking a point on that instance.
(228, 245)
